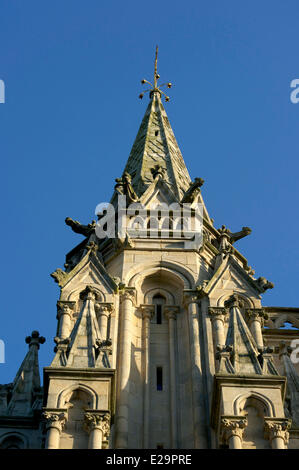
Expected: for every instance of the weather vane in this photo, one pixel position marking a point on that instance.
(155, 87)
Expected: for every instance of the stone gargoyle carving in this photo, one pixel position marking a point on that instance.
(263, 284)
(193, 191)
(124, 187)
(77, 227)
(233, 237)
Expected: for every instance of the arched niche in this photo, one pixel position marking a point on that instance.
(255, 407)
(65, 396)
(13, 440)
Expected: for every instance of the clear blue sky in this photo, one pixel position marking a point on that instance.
(72, 71)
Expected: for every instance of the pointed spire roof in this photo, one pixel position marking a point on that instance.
(155, 147)
(26, 390)
(240, 355)
(85, 348)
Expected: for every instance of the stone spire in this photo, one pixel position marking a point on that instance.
(26, 390)
(155, 148)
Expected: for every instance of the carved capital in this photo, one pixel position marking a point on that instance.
(65, 307)
(277, 428)
(218, 313)
(104, 308)
(191, 297)
(54, 419)
(97, 420)
(147, 311)
(256, 314)
(171, 312)
(232, 426)
(128, 294)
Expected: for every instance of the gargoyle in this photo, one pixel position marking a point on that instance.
(123, 186)
(233, 237)
(85, 230)
(193, 190)
(158, 170)
(263, 284)
(59, 276)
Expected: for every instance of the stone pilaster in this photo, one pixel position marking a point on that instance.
(122, 421)
(171, 312)
(147, 312)
(191, 299)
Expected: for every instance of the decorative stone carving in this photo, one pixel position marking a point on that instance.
(77, 227)
(171, 312)
(35, 339)
(158, 171)
(147, 311)
(59, 276)
(191, 297)
(256, 314)
(54, 419)
(218, 313)
(262, 284)
(232, 426)
(276, 428)
(97, 420)
(65, 307)
(123, 186)
(193, 191)
(128, 294)
(89, 293)
(233, 237)
(234, 301)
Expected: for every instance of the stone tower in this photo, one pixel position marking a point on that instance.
(159, 344)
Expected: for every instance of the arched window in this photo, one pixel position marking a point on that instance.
(159, 301)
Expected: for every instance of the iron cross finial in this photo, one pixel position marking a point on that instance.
(154, 87)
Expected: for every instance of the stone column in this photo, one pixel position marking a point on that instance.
(276, 430)
(170, 313)
(55, 421)
(255, 318)
(64, 316)
(98, 426)
(147, 314)
(103, 313)
(191, 303)
(232, 428)
(122, 423)
(218, 316)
